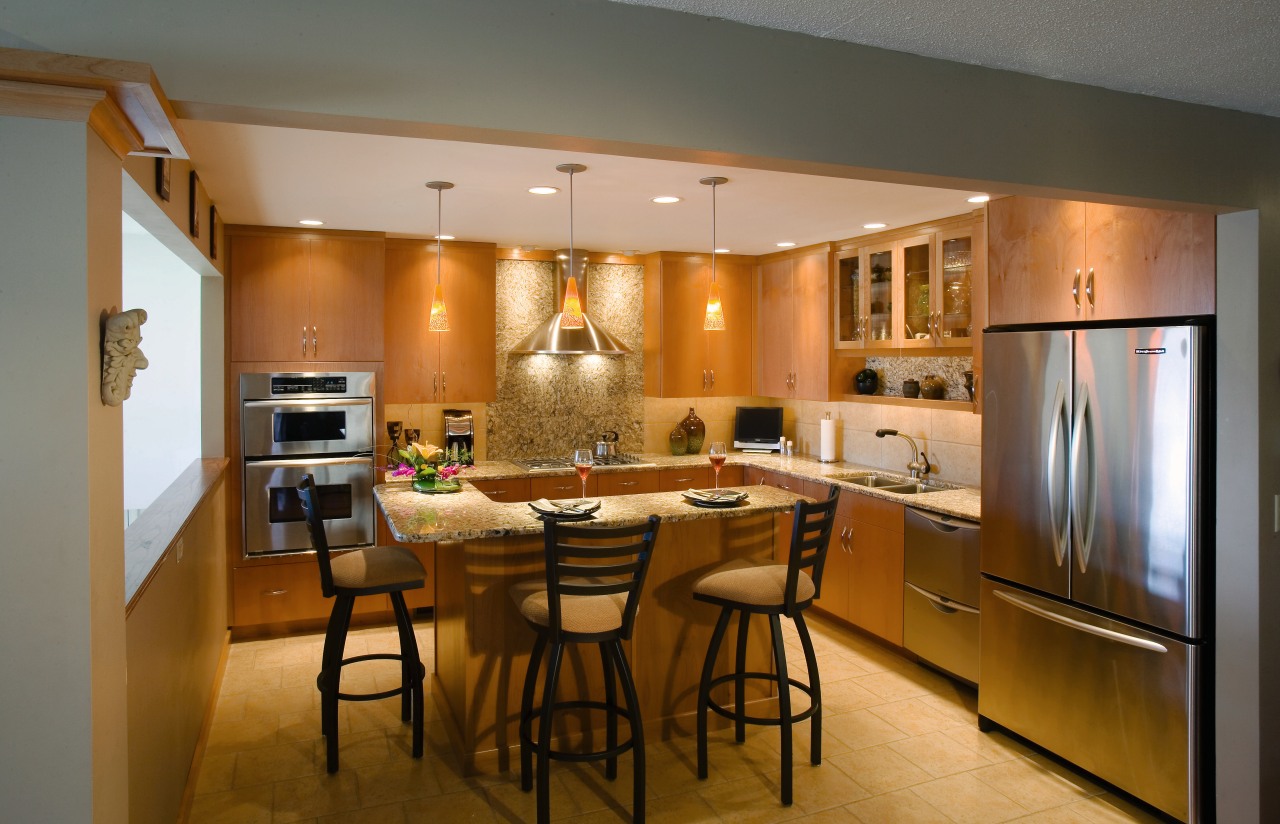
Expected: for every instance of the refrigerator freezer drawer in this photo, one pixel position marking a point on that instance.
(1118, 701)
(944, 634)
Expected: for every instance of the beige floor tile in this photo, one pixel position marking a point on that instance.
(462, 806)
(244, 734)
(267, 765)
(1033, 786)
(1057, 815)
(1110, 809)
(754, 800)
(896, 808)
(860, 729)
(846, 695)
(967, 800)
(315, 795)
(304, 725)
(249, 679)
(892, 685)
(247, 805)
(385, 814)
(880, 769)
(397, 780)
(961, 703)
(284, 700)
(938, 755)
(358, 749)
(914, 717)
(836, 667)
(216, 773)
(591, 791)
(304, 652)
(1086, 786)
(509, 803)
(822, 787)
(994, 746)
(685, 808)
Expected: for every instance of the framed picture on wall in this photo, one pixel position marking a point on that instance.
(193, 205)
(163, 167)
(213, 232)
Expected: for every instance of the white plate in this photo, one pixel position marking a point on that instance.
(575, 508)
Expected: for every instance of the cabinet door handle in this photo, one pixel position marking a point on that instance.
(315, 343)
(444, 384)
(304, 341)
(1075, 289)
(1088, 287)
(704, 380)
(713, 379)
(435, 383)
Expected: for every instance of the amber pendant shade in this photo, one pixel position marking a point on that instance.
(439, 321)
(714, 321)
(571, 314)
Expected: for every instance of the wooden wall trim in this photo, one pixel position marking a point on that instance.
(307, 233)
(928, 227)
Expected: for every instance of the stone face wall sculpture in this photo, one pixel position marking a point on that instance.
(121, 357)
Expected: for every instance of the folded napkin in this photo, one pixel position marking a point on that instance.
(578, 507)
(716, 495)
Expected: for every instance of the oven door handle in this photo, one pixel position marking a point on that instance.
(304, 403)
(288, 463)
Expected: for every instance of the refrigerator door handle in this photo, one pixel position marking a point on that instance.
(1109, 634)
(1084, 505)
(1057, 512)
(944, 605)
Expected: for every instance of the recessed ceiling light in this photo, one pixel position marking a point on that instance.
(443, 237)
(874, 225)
(721, 251)
(628, 252)
(665, 199)
(786, 244)
(311, 222)
(527, 248)
(979, 198)
(543, 190)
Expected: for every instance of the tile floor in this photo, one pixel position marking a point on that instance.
(900, 745)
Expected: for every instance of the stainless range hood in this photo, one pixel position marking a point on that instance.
(550, 338)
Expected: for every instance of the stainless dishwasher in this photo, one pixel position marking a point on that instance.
(941, 592)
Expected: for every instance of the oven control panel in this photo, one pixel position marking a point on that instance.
(309, 385)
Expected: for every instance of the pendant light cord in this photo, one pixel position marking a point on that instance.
(439, 229)
(572, 271)
(713, 232)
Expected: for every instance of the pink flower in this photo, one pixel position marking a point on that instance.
(402, 470)
(447, 472)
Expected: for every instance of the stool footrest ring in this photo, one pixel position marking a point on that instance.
(526, 731)
(738, 714)
(371, 696)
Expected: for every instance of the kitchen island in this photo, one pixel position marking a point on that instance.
(483, 547)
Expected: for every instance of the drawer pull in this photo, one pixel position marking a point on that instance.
(683, 480)
(276, 592)
(627, 483)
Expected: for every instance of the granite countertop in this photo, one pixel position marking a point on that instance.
(469, 514)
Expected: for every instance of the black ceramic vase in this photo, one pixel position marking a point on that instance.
(866, 382)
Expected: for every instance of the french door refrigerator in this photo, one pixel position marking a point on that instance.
(1093, 637)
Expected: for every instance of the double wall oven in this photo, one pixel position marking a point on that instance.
(296, 423)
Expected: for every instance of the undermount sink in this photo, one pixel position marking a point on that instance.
(896, 485)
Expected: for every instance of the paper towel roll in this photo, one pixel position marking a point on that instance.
(827, 440)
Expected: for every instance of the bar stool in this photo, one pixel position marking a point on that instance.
(594, 576)
(774, 590)
(370, 571)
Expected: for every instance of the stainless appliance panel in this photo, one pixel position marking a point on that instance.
(1115, 700)
(266, 385)
(1026, 419)
(944, 633)
(941, 555)
(279, 428)
(1134, 467)
(274, 521)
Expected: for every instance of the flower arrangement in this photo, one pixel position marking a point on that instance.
(426, 465)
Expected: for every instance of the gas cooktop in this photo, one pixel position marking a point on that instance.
(551, 464)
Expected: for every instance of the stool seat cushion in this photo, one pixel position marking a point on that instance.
(756, 584)
(377, 567)
(578, 613)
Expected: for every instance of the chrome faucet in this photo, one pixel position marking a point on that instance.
(919, 465)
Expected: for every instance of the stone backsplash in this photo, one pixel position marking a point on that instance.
(552, 404)
(893, 371)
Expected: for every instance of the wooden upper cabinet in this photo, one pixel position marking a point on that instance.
(268, 295)
(1150, 262)
(681, 358)
(346, 299)
(1054, 261)
(305, 297)
(794, 324)
(457, 366)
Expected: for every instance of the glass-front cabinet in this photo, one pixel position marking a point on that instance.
(912, 292)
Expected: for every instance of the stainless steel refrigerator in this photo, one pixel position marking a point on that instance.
(1093, 637)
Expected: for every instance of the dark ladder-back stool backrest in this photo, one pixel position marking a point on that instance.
(810, 537)
(619, 556)
(310, 496)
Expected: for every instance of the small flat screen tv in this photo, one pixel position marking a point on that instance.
(758, 428)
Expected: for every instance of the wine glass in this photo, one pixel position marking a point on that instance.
(717, 453)
(582, 461)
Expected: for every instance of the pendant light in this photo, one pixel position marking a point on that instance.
(439, 320)
(714, 320)
(571, 312)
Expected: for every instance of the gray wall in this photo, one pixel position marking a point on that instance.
(584, 74)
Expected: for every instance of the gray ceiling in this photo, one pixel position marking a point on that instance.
(1224, 54)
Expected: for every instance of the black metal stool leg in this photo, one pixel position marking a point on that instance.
(411, 672)
(784, 704)
(815, 691)
(740, 683)
(610, 698)
(704, 687)
(544, 733)
(637, 732)
(526, 712)
(335, 640)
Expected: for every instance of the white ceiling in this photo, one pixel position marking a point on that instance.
(277, 176)
(1224, 54)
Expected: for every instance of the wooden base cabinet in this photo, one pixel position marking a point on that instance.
(681, 359)
(1063, 261)
(304, 296)
(280, 593)
(457, 366)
